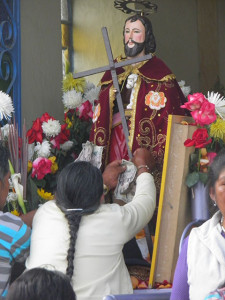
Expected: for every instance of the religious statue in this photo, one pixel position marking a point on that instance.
(149, 92)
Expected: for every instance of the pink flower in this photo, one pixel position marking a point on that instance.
(85, 111)
(199, 139)
(211, 156)
(195, 102)
(206, 115)
(41, 167)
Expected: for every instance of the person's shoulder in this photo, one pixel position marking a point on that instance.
(155, 68)
(11, 223)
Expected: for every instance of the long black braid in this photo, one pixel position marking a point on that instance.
(79, 189)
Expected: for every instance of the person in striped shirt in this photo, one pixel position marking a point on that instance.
(14, 233)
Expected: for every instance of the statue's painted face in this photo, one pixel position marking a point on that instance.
(134, 38)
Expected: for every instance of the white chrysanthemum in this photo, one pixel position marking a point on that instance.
(89, 85)
(5, 131)
(66, 146)
(219, 102)
(92, 94)
(31, 151)
(72, 99)
(43, 150)
(185, 89)
(51, 128)
(6, 106)
(11, 197)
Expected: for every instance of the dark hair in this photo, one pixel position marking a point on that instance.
(39, 284)
(79, 186)
(217, 166)
(150, 44)
(4, 163)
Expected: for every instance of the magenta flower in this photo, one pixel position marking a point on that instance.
(205, 115)
(41, 167)
(195, 102)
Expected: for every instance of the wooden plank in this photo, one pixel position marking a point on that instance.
(174, 211)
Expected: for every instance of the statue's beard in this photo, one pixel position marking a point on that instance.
(134, 51)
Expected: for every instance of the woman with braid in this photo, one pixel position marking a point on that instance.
(82, 237)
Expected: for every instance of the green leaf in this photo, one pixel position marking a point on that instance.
(203, 177)
(192, 179)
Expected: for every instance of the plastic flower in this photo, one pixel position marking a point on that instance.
(43, 150)
(92, 94)
(219, 102)
(51, 128)
(69, 83)
(194, 102)
(85, 111)
(199, 139)
(5, 131)
(62, 137)
(185, 89)
(54, 167)
(15, 213)
(35, 134)
(45, 195)
(16, 177)
(66, 146)
(6, 106)
(41, 167)
(29, 166)
(205, 115)
(217, 129)
(72, 99)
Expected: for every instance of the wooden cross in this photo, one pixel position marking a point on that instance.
(112, 67)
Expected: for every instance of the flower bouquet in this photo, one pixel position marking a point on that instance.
(209, 137)
(52, 145)
(18, 156)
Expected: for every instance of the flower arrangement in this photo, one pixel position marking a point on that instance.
(52, 145)
(17, 163)
(209, 137)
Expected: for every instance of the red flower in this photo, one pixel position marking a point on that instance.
(206, 115)
(41, 167)
(85, 111)
(199, 139)
(35, 133)
(62, 137)
(45, 117)
(195, 102)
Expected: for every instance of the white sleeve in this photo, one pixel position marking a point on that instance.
(139, 211)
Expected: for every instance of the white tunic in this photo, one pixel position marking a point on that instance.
(206, 259)
(99, 267)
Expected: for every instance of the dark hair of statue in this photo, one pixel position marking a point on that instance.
(80, 185)
(4, 164)
(150, 43)
(41, 284)
(215, 169)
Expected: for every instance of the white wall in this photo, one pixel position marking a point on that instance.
(41, 59)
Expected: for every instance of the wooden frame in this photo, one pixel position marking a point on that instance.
(174, 211)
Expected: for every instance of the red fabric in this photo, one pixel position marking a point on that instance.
(118, 148)
(150, 125)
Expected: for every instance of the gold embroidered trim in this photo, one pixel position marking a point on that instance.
(165, 78)
(100, 136)
(133, 113)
